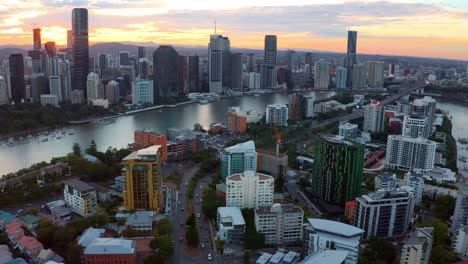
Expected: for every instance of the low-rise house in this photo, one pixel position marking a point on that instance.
(48, 256)
(14, 231)
(140, 221)
(6, 218)
(110, 251)
(5, 254)
(89, 235)
(30, 246)
(31, 222)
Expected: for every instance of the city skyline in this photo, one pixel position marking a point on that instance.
(408, 27)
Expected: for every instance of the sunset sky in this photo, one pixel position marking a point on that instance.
(435, 28)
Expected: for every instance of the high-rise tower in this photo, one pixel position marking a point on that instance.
(215, 63)
(350, 59)
(37, 38)
(80, 49)
(269, 67)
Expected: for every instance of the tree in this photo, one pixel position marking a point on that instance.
(192, 237)
(33, 211)
(154, 259)
(303, 182)
(220, 246)
(92, 149)
(166, 247)
(76, 149)
(444, 206)
(441, 231)
(441, 255)
(198, 127)
(164, 227)
(252, 239)
(210, 203)
(378, 249)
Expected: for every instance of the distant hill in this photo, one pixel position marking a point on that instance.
(6, 52)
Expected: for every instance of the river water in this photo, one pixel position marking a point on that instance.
(32, 150)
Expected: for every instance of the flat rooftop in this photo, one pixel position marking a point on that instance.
(79, 185)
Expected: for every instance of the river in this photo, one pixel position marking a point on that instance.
(32, 150)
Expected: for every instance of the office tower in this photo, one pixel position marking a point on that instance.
(18, 88)
(102, 62)
(415, 181)
(309, 106)
(182, 72)
(39, 85)
(296, 107)
(416, 126)
(407, 153)
(193, 74)
(384, 214)
(37, 44)
(77, 97)
(251, 62)
(236, 71)
(142, 92)
(226, 61)
(321, 235)
(143, 69)
(341, 74)
(238, 158)
(65, 78)
(277, 113)
(292, 64)
(374, 117)
(124, 58)
(53, 66)
(375, 76)
(141, 52)
(424, 107)
(417, 249)
(337, 170)
(281, 224)
(165, 70)
(50, 49)
(3, 91)
(348, 131)
(359, 76)
(80, 49)
(254, 81)
(385, 181)
(69, 39)
(92, 86)
(55, 87)
(322, 77)
(142, 171)
(350, 59)
(460, 214)
(269, 65)
(113, 92)
(249, 190)
(37, 57)
(215, 63)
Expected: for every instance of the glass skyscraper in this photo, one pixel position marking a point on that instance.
(80, 49)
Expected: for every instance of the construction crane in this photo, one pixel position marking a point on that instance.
(278, 136)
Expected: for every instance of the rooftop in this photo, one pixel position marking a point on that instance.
(335, 139)
(276, 208)
(248, 146)
(384, 194)
(78, 185)
(276, 258)
(348, 126)
(107, 246)
(335, 227)
(140, 218)
(89, 235)
(239, 176)
(328, 256)
(420, 236)
(234, 213)
(264, 258)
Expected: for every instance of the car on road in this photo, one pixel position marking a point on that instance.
(209, 256)
(198, 215)
(182, 209)
(181, 239)
(202, 245)
(181, 223)
(19, 211)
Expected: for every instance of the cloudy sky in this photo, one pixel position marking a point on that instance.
(436, 28)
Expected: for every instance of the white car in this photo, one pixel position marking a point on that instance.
(198, 215)
(209, 256)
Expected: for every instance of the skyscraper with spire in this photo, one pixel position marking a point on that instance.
(269, 66)
(350, 59)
